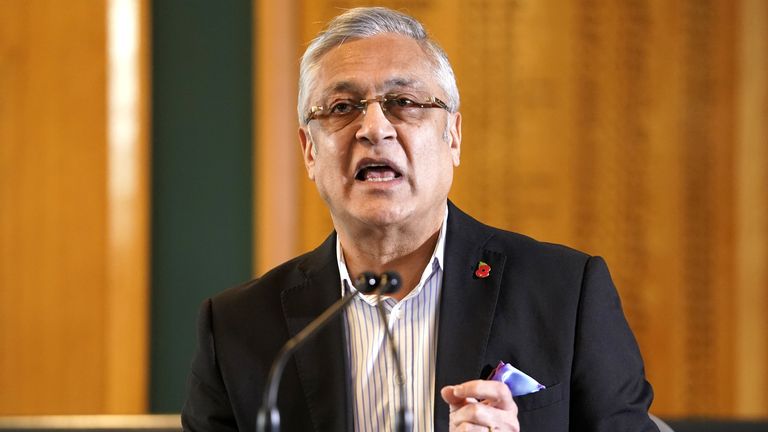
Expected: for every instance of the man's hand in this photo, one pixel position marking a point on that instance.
(481, 405)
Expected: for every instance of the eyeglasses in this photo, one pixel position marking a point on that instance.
(397, 108)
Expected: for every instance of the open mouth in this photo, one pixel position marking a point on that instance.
(377, 172)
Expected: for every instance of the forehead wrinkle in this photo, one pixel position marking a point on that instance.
(402, 82)
(385, 87)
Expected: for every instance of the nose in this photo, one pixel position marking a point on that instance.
(375, 127)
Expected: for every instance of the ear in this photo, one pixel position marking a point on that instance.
(308, 151)
(454, 135)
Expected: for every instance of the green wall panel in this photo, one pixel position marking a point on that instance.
(201, 174)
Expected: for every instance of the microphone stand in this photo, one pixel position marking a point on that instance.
(367, 282)
(390, 282)
(268, 413)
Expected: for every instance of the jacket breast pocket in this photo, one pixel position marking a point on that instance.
(540, 399)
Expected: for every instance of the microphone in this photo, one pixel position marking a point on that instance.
(389, 284)
(365, 283)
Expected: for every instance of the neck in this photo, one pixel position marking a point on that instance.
(405, 250)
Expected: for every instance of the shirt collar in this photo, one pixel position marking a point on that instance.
(435, 260)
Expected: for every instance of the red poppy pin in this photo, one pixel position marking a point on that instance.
(483, 270)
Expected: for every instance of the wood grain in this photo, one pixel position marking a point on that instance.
(62, 313)
(751, 297)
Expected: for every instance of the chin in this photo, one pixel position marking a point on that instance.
(379, 214)
(381, 218)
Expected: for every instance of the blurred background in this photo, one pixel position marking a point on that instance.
(149, 159)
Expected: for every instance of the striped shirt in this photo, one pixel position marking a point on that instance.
(413, 323)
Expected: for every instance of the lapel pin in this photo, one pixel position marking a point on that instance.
(483, 270)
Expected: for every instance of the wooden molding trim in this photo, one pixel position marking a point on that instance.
(276, 144)
(752, 212)
(92, 422)
(127, 318)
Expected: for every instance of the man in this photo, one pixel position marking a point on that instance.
(380, 134)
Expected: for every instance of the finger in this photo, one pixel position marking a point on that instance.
(494, 391)
(474, 414)
(470, 416)
(454, 402)
(449, 397)
(469, 427)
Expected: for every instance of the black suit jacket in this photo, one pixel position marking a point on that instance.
(550, 311)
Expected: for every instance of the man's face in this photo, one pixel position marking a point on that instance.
(376, 170)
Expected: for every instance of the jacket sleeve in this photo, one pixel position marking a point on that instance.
(207, 406)
(609, 391)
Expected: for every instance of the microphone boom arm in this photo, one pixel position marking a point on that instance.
(269, 404)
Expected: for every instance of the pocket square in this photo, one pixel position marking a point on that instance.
(518, 382)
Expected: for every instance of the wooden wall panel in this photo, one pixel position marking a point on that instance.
(53, 207)
(57, 308)
(276, 153)
(628, 130)
(751, 297)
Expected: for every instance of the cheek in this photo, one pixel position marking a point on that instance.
(332, 161)
(434, 159)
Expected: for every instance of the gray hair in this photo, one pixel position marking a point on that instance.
(359, 23)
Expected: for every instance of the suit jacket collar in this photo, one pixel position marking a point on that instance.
(467, 307)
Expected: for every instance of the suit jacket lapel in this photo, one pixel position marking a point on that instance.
(322, 361)
(467, 306)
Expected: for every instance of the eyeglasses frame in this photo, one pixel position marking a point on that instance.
(362, 105)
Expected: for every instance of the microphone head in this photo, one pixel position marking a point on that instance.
(366, 282)
(390, 282)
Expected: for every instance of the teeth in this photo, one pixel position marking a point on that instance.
(380, 179)
(376, 172)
